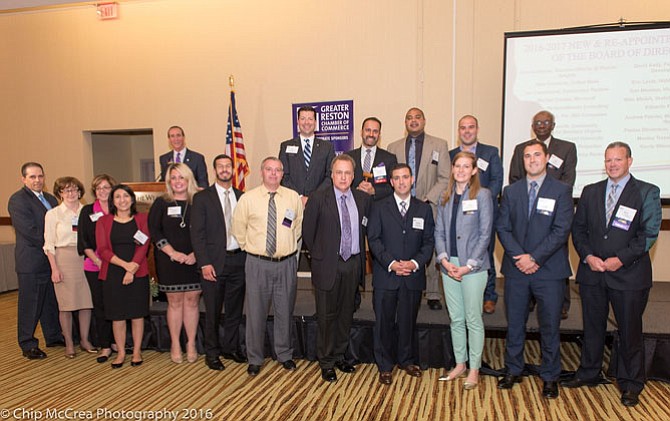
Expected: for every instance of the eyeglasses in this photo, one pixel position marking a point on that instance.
(543, 123)
(70, 190)
(103, 188)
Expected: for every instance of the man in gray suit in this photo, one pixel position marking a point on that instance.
(428, 158)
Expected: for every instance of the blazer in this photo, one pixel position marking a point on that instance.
(492, 177)
(392, 237)
(592, 235)
(433, 176)
(103, 230)
(208, 228)
(27, 214)
(296, 176)
(563, 149)
(382, 158)
(545, 237)
(194, 160)
(322, 232)
(473, 231)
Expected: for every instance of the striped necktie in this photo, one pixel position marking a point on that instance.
(611, 203)
(532, 195)
(308, 153)
(271, 241)
(403, 208)
(367, 163)
(345, 242)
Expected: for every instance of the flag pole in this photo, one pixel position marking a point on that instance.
(233, 146)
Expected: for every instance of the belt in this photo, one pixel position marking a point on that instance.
(272, 259)
(233, 252)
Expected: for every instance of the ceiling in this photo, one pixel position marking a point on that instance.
(9, 6)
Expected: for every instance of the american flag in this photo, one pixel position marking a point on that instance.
(235, 145)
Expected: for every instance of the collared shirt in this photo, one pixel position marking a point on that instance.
(546, 142)
(353, 218)
(58, 228)
(398, 200)
(303, 141)
(418, 145)
(538, 180)
(364, 151)
(182, 155)
(620, 186)
(472, 148)
(250, 221)
(232, 244)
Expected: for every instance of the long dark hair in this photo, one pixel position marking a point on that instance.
(127, 189)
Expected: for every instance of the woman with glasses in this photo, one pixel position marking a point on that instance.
(101, 186)
(60, 246)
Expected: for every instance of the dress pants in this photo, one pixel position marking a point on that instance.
(335, 312)
(37, 303)
(228, 292)
(103, 327)
(490, 293)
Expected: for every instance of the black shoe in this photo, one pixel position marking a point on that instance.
(236, 356)
(550, 390)
(214, 363)
(575, 382)
(34, 354)
(434, 305)
(345, 367)
(289, 365)
(53, 344)
(102, 359)
(117, 365)
(253, 370)
(630, 398)
(136, 363)
(328, 374)
(508, 381)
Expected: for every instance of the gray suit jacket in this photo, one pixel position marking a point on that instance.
(563, 149)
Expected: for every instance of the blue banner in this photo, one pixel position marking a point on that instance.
(334, 122)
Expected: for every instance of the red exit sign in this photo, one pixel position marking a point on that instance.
(107, 11)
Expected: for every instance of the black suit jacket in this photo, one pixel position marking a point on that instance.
(208, 229)
(382, 157)
(321, 233)
(296, 176)
(194, 160)
(563, 149)
(27, 213)
(592, 235)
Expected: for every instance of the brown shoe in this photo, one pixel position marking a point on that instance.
(489, 307)
(385, 377)
(413, 370)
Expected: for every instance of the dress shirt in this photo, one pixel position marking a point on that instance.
(232, 245)
(397, 203)
(303, 141)
(353, 218)
(182, 154)
(364, 151)
(418, 148)
(471, 149)
(539, 182)
(58, 230)
(250, 221)
(620, 186)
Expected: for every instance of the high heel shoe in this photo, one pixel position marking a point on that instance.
(136, 363)
(192, 357)
(470, 386)
(89, 350)
(70, 356)
(117, 365)
(176, 360)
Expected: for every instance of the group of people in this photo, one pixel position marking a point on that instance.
(427, 214)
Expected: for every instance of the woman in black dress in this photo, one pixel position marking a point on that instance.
(169, 223)
(123, 242)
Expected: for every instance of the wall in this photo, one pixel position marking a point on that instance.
(167, 62)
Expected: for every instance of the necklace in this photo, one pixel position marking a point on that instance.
(182, 224)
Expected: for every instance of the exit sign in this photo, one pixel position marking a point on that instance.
(107, 11)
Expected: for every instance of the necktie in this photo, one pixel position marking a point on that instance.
(345, 241)
(367, 163)
(411, 161)
(178, 158)
(308, 153)
(227, 212)
(403, 208)
(271, 242)
(44, 201)
(611, 203)
(532, 195)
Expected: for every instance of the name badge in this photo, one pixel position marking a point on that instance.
(469, 206)
(417, 223)
(555, 161)
(289, 216)
(95, 216)
(435, 158)
(482, 165)
(624, 217)
(379, 173)
(140, 237)
(174, 211)
(292, 149)
(75, 223)
(364, 221)
(545, 206)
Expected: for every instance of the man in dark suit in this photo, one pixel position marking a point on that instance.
(401, 239)
(37, 300)
(616, 224)
(428, 157)
(373, 163)
(334, 233)
(561, 165)
(490, 171)
(179, 153)
(306, 159)
(221, 262)
(533, 227)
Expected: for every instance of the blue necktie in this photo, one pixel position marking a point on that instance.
(411, 161)
(345, 242)
(532, 195)
(44, 201)
(308, 153)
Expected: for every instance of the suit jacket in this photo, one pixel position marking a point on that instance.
(27, 213)
(322, 232)
(473, 231)
(563, 149)
(208, 228)
(545, 237)
(392, 237)
(492, 177)
(194, 160)
(592, 235)
(382, 158)
(296, 176)
(433, 176)
(103, 230)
